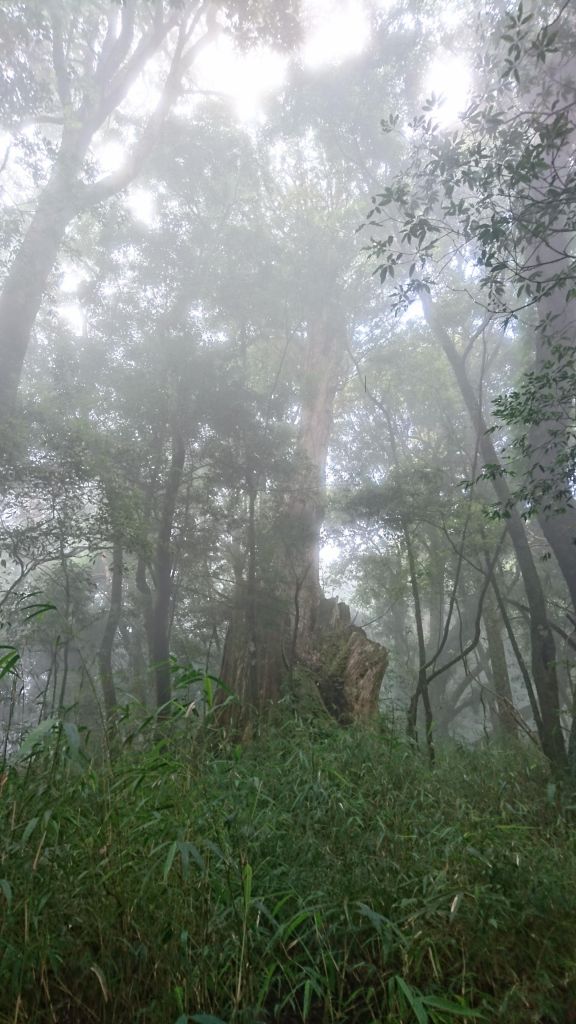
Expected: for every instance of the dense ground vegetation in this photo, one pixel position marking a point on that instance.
(314, 875)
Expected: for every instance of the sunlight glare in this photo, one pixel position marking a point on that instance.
(72, 278)
(142, 205)
(73, 315)
(246, 78)
(335, 33)
(450, 79)
(110, 156)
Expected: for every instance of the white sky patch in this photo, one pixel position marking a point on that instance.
(413, 313)
(142, 205)
(453, 15)
(336, 31)
(329, 552)
(111, 156)
(144, 96)
(73, 314)
(244, 77)
(72, 278)
(449, 77)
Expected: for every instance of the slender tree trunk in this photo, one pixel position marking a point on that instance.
(541, 636)
(163, 585)
(422, 683)
(505, 716)
(146, 602)
(110, 629)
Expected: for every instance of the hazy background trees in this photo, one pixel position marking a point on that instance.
(217, 419)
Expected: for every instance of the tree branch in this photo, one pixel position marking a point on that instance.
(113, 183)
(59, 62)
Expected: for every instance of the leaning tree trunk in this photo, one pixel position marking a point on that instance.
(25, 283)
(542, 643)
(290, 638)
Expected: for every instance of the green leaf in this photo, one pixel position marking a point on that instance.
(7, 890)
(37, 736)
(29, 830)
(414, 1000)
(205, 1018)
(247, 886)
(447, 1006)
(8, 661)
(37, 609)
(173, 850)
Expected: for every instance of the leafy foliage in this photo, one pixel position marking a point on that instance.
(497, 197)
(316, 875)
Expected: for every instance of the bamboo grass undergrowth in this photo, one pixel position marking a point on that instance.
(315, 875)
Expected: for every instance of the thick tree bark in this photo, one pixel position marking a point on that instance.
(343, 665)
(541, 637)
(110, 629)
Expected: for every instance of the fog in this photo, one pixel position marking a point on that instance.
(223, 392)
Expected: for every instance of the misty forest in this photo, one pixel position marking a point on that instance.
(287, 516)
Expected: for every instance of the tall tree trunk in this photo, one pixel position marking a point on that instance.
(541, 637)
(111, 627)
(549, 440)
(549, 264)
(346, 667)
(325, 351)
(298, 630)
